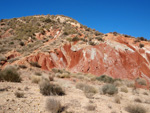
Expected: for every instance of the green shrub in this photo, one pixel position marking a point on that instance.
(109, 89)
(47, 20)
(53, 105)
(99, 39)
(141, 45)
(97, 33)
(22, 43)
(105, 79)
(47, 88)
(75, 39)
(10, 74)
(135, 109)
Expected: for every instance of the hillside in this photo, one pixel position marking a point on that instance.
(60, 47)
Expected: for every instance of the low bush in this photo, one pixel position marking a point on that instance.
(38, 73)
(10, 74)
(109, 89)
(23, 66)
(86, 88)
(92, 43)
(99, 39)
(117, 83)
(35, 64)
(64, 75)
(105, 79)
(19, 94)
(47, 88)
(129, 83)
(141, 45)
(75, 39)
(35, 79)
(141, 81)
(124, 89)
(53, 105)
(22, 43)
(2, 58)
(138, 100)
(117, 99)
(135, 109)
(90, 107)
(55, 70)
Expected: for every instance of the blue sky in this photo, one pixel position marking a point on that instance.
(130, 17)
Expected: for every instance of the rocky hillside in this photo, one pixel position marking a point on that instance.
(61, 42)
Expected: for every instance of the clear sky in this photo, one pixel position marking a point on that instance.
(130, 17)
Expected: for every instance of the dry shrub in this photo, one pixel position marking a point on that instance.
(141, 81)
(124, 89)
(129, 83)
(91, 107)
(3, 58)
(55, 70)
(105, 78)
(51, 78)
(138, 100)
(135, 109)
(117, 99)
(86, 88)
(145, 93)
(35, 64)
(10, 74)
(53, 105)
(47, 88)
(147, 101)
(38, 73)
(19, 94)
(64, 75)
(35, 79)
(109, 89)
(117, 83)
(23, 66)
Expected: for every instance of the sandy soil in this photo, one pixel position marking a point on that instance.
(75, 100)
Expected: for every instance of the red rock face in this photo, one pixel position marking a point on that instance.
(98, 60)
(118, 57)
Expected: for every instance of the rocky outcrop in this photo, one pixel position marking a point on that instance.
(113, 58)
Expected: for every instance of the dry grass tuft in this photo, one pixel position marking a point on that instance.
(124, 89)
(47, 88)
(53, 105)
(135, 109)
(19, 94)
(117, 99)
(90, 107)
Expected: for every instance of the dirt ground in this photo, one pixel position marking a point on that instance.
(74, 101)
